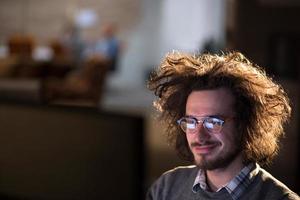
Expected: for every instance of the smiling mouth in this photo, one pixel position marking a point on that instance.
(205, 148)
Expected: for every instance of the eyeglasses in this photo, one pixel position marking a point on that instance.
(212, 124)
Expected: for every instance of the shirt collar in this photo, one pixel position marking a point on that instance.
(235, 187)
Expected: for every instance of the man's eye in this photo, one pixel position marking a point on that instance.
(190, 125)
(214, 120)
(209, 125)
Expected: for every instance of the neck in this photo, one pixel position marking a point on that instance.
(217, 178)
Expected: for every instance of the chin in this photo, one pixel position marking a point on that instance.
(205, 163)
(210, 162)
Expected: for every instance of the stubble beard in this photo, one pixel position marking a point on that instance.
(219, 161)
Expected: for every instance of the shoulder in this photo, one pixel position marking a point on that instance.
(178, 172)
(172, 182)
(273, 187)
(177, 175)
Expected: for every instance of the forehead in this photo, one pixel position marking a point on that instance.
(210, 102)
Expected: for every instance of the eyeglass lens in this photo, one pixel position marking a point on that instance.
(211, 124)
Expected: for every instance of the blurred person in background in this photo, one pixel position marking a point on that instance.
(225, 115)
(106, 48)
(73, 43)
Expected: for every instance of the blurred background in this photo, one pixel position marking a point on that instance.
(76, 118)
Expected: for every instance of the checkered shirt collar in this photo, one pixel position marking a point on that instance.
(235, 187)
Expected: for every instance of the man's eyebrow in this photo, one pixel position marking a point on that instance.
(210, 115)
(216, 115)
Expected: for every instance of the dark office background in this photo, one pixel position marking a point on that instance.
(91, 145)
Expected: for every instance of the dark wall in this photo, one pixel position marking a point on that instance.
(268, 31)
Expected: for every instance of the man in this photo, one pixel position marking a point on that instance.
(226, 116)
(107, 48)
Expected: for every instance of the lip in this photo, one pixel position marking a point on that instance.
(204, 149)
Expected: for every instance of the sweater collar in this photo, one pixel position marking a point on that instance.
(235, 187)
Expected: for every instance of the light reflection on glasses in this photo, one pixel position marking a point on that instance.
(212, 124)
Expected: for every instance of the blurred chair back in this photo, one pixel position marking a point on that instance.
(79, 86)
(21, 45)
(94, 72)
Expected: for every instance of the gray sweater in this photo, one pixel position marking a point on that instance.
(177, 185)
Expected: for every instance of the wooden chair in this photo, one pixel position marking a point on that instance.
(84, 85)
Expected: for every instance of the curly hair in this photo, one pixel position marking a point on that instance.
(262, 106)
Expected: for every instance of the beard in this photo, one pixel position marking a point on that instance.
(222, 160)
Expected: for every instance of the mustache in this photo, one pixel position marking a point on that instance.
(198, 144)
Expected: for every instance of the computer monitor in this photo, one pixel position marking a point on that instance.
(57, 152)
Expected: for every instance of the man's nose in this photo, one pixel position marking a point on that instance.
(201, 132)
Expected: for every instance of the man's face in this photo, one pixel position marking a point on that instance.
(213, 150)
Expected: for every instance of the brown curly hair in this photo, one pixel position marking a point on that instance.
(262, 106)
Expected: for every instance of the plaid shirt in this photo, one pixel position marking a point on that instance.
(235, 187)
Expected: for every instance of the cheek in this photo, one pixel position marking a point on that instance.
(230, 130)
(227, 138)
(192, 138)
(189, 138)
